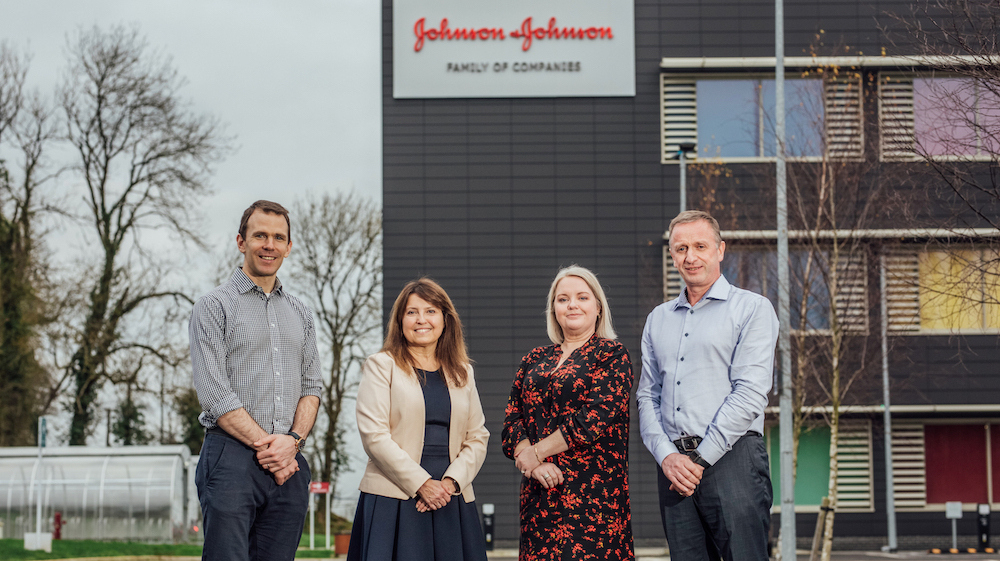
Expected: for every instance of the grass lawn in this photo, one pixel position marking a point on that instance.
(68, 549)
(13, 550)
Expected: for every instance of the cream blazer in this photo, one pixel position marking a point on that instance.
(390, 411)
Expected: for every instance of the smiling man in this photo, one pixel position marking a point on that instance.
(707, 359)
(255, 367)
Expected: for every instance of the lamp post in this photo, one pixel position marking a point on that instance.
(682, 149)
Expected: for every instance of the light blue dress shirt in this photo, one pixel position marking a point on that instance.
(706, 370)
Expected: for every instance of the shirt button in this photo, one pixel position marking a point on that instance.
(272, 325)
(685, 334)
(276, 349)
(278, 398)
(678, 408)
(682, 359)
(678, 382)
(277, 373)
(692, 311)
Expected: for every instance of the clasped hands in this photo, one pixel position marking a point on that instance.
(434, 494)
(276, 454)
(684, 474)
(530, 466)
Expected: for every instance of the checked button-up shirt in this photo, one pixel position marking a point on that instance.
(255, 351)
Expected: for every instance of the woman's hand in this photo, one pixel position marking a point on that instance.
(526, 460)
(548, 474)
(433, 495)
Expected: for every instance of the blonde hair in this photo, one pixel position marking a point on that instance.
(689, 216)
(604, 328)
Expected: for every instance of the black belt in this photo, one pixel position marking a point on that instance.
(690, 443)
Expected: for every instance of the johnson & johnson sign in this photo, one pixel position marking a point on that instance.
(474, 48)
(445, 33)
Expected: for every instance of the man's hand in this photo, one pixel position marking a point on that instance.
(684, 475)
(277, 452)
(284, 475)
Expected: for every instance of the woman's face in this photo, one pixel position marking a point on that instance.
(575, 307)
(423, 322)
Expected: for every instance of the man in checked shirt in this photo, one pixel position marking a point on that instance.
(255, 365)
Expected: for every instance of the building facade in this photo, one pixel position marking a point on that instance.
(491, 196)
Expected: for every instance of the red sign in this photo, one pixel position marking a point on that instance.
(526, 32)
(319, 487)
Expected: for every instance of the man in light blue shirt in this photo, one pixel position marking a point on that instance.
(707, 361)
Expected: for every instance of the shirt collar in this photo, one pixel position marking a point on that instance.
(243, 283)
(719, 291)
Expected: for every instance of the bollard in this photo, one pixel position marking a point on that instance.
(983, 527)
(488, 525)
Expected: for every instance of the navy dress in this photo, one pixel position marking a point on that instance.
(392, 529)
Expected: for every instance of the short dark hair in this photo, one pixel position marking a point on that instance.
(689, 216)
(264, 206)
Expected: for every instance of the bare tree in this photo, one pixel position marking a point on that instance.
(143, 159)
(961, 151)
(338, 242)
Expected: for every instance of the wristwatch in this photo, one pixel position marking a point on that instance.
(696, 458)
(300, 441)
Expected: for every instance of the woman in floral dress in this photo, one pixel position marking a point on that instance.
(566, 428)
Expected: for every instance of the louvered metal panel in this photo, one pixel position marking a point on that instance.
(909, 475)
(852, 293)
(902, 279)
(854, 473)
(843, 119)
(679, 115)
(896, 120)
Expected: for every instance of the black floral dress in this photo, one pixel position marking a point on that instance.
(588, 516)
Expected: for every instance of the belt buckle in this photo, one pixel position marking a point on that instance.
(689, 443)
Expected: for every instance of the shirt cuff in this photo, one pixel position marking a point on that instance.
(663, 449)
(711, 451)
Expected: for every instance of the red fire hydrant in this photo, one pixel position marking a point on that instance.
(57, 525)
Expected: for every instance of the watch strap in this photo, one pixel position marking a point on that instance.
(696, 458)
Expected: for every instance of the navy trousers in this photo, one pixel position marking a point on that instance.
(728, 516)
(247, 516)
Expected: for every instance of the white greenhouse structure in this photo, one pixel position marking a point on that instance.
(134, 493)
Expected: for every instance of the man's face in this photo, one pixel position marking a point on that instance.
(696, 254)
(266, 245)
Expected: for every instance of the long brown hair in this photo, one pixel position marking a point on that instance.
(450, 350)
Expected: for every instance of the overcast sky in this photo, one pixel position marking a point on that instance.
(297, 84)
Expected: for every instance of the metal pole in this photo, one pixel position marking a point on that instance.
(327, 517)
(38, 482)
(684, 190)
(890, 501)
(784, 300)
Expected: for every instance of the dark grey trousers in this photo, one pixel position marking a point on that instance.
(247, 516)
(728, 516)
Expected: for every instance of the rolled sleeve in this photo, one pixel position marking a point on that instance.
(312, 378)
(208, 360)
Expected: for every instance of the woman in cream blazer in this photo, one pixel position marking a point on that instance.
(422, 426)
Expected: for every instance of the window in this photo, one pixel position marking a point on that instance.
(736, 118)
(732, 118)
(937, 116)
(754, 268)
(812, 482)
(932, 290)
